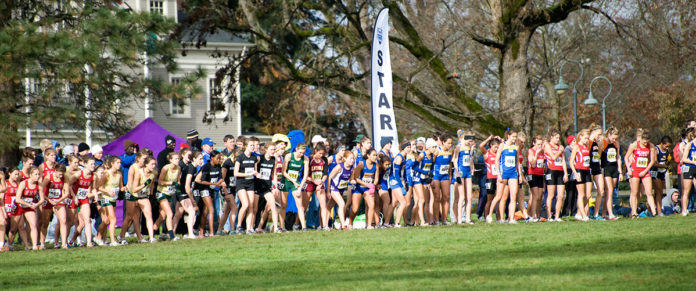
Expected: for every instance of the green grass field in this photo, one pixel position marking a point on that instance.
(655, 253)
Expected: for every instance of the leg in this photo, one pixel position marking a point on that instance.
(599, 182)
(659, 186)
(209, 214)
(437, 200)
(370, 205)
(244, 200)
(398, 198)
(550, 194)
(514, 188)
(146, 208)
(31, 218)
(635, 184)
(338, 198)
(270, 200)
(297, 194)
(355, 206)
(112, 223)
(581, 200)
(460, 197)
(445, 199)
(45, 219)
(609, 206)
(166, 212)
(686, 188)
(647, 185)
(251, 212)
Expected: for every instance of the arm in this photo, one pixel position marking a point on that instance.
(572, 161)
(356, 175)
(43, 184)
(199, 179)
(65, 193)
(135, 185)
(482, 145)
(651, 162)
(497, 163)
(285, 167)
(305, 173)
(162, 180)
(334, 172)
(531, 159)
(188, 189)
(685, 155)
(18, 196)
(629, 154)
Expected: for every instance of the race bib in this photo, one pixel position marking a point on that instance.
(653, 174)
(466, 161)
(444, 170)
(233, 182)
(540, 163)
(611, 155)
(265, 173)
(54, 193)
(104, 201)
(558, 161)
(82, 193)
(68, 201)
(642, 162)
(494, 171)
(114, 191)
(548, 177)
(213, 180)
(28, 200)
(249, 171)
(367, 180)
(169, 190)
(196, 193)
(529, 178)
(595, 157)
(488, 185)
(294, 175)
(509, 161)
(684, 168)
(342, 184)
(317, 175)
(586, 161)
(205, 193)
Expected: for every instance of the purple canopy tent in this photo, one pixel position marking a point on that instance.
(147, 134)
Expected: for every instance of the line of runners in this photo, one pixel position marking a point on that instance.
(410, 187)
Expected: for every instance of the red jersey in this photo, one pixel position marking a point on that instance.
(677, 157)
(536, 166)
(81, 187)
(641, 159)
(316, 169)
(10, 194)
(491, 169)
(22, 176)
(582, 158)
(557, 164)
(47, 171)
(55, 188)
(30, 195)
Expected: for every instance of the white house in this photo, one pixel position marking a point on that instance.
(177, 117)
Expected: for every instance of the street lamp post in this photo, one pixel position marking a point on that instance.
(591, 100)
(562, 87)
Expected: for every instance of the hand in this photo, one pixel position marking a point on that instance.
(643, 173)
(352, 182)
(621, 177)
(371, 188)
(297, 186)
(565, 178)
(521, 180)
(147, 182)
(34, 205)
(196, 207)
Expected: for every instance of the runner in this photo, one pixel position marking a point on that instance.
(132, 210)
(229, 211)
(141, 188)
(611, 166)
(168, 186)
(318, 170)
(245, 171)
(264, 185)
(208, 181)
(385, 193)
(49, 164)
(535, 176)
(580, 165)
(279, 190)
(507, 160)
(56, 191)
(296, 176)
(70, 203)
(339, 179)
(382, 217)
(441, 182)
(597, 145)
(644, 157)
(397, 186)
(556, 175)
(688, 158)
(659, 170)
(17, 223)
(186, 199)
(109, 186)
(465, 171)
(83, 190)
(27, 162)
(409, 179)
(489, 155)
(365, 175)
(29, 198)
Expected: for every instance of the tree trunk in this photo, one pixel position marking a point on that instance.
(10, 157)
(515, 90)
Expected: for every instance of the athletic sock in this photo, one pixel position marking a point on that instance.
(171, 234)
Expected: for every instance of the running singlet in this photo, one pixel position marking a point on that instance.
(10, 196)
(294, 170)
(442, 164)
(610, 156)
(368, 175)
(395, 177)
(247, 165)
(491, 169)
(30, 194)
(333, 163)
(144, 180)
(595, 157)
(409, 173)
(22, 176)
(582, 158)
(230, 179)
(265, 180)
(173, 175)
(316, 169)
(662, 157)
(464, 159)
(81, 188)
(54, 189)
(692, 155)
(555, 164)
(677, 156)
(340, 181)
(508, 156)
(426, 166)
(358, 157)
(47, 171)
(641, 158)
(536, 166)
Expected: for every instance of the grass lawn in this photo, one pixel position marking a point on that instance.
(654, 253)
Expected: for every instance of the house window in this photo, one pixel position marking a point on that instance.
(157, 6)
(179, 107)
(216, 100)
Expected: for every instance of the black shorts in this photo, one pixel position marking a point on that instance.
(535, 181)
(245, 185)
(230, 190)
(491, 186)
(611, 172)
(262, 188)
(459, 180)
(594, 171)
(585, 176)
(689, 174)
(554, 177)
(656, 175)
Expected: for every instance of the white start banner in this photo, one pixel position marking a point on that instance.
(383, 121)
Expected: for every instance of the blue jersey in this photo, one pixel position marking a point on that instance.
(409, 173)
(508, 160)
(441, 166)
(425, 167)
(464, 158)
(333, 163)
(358, 157)
(692, 155)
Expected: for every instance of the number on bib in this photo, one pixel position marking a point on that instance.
(642, 162)
(213, 180)
(265, 173)
(82, 193)
(367, 180)
(611, 155)
(466, 161)
(509, 161)
(444, 170)
(317, 175)
(586, 161)
(342, 184)
(294, 175)
(540, 164)
(595, 157)
(54, 193)
(249, 171)
(28, 200)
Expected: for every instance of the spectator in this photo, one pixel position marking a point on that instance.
(65, 153)
(44, 145)
(170, 144)
(98, 154)
(82, 150)
(671, 202)
(128, 158)
(230, 146)
(571, 197)
(193, 141)
(207, 147)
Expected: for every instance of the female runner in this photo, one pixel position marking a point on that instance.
(580, 165)
(597, 145)
(141, 188)
(659, 170)
(491, 175)
(339, 178)
(441, 182)
(132, 210)
(187, 200)
(17, 222)
(384, 170)
(49, 164)
(167, 186)
(611, 166)
(397, 186)
(364, 175)
(510, 173)
(264, 184)
(109, 186)
(556, 175)
(318, 169)
(644, 157)
(29, 198)
(535, 176)
(230, 210)
(56, 190)
(296, 175)
(83, 189)
(208, 179)
(245, 170)
(465, 170)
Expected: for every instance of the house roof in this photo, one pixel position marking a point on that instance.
(193, 34)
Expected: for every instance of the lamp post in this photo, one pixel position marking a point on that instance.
(561, 87)
(591, 100)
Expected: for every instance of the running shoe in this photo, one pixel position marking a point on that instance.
(512, 221)
(250, 232)
(176, 238)
(99, 241)
(4, 249)
(599, 218)
(578, 217)
(295, 227)
(220, 233)
(114, 244)
(258, 230)
(684, 214)
(489, 219)
(124, 242)
(585, 219)
(304, 230)
(142, 241)
(153, 240)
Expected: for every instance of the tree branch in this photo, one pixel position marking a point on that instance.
(485, 41)
(553, 14)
